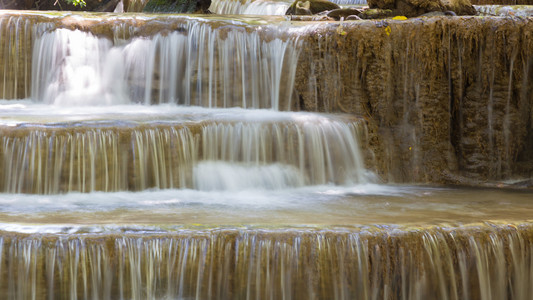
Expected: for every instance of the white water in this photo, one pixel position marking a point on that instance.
(214, 175)
(199, 67)
(249, 7)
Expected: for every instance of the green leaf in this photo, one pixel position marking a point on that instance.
(77, 2)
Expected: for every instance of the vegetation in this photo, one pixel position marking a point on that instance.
(76, 2)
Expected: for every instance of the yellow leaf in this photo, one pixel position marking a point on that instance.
(387, 30)
(401, 18)
(340, 30)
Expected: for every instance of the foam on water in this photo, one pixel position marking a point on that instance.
(213, 175)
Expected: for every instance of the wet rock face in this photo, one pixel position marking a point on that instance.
(413, 8)
(447, 99)
(177, 6)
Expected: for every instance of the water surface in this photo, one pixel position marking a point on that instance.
(365, 204)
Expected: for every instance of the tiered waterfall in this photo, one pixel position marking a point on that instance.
(207, 157)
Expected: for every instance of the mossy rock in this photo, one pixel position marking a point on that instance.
(177, 6)
(313, 6)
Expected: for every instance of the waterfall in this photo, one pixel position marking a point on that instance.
(225, 263)
(212, 157)
(249, 7)
(201, 66)
(16, 34)
(49, 159)
(262, 7)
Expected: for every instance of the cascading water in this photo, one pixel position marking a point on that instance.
(249, 7)
(48, 157)
(74, 67)
(164, 157)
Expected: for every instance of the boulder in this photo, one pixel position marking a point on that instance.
(303, 8)
(312, 7)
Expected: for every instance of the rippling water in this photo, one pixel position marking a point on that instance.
(370, 204)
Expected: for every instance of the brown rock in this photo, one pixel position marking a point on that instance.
(460, 7)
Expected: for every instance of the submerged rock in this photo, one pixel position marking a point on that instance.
(310, 7)
(178, 6)
(414, 8)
